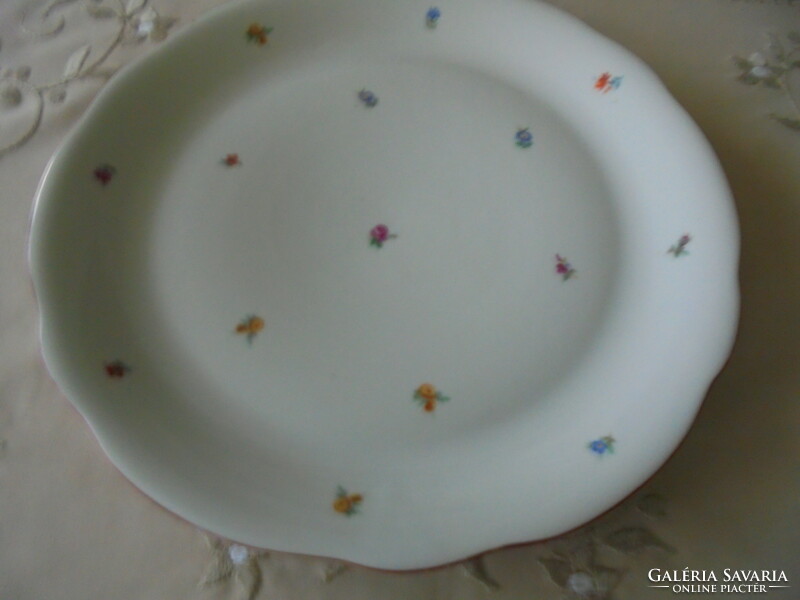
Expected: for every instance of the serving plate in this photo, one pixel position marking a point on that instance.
(386, 282)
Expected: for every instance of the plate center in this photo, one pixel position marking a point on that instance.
(489, 283)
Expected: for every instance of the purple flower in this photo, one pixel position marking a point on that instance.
(368, 98)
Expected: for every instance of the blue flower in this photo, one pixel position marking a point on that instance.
(432, 16)
(602, 445)
(368, 98)
(524, 138)
(615, 82)
(598, 446)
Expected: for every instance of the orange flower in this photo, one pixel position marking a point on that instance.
(427, 392)
(346, 503)
(428, 397)
(250, 326)
(258, 33)
(342, 505)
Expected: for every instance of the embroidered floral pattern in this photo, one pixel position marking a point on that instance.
(231, 160)
(368, 98)
(346, 503)
(523, 138)
(104, 173)
(134, 22)
(774, 69)
(564, 268)
(607, 82)
(258, 33)
(679, 249)
(250, 327)
(602, 445)
(428, 397)
(572, 560)
(116, 369)
(236, 563)
(432, 17)
(572, 565)
(380, 234)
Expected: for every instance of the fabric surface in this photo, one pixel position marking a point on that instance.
(72, 527)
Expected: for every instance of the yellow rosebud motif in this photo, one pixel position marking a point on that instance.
(428, 396)
(250, 326)
(258, 33)
(345, 503)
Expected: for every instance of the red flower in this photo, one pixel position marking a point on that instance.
(116, 369)
(104, 173)
(602, 81)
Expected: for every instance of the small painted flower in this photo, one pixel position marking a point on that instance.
(231, 160)
(679, 249)
(379, 234)
(524, 138)
(346, 503)
(564, 268)
(428, 397)
(602, 445)
(104, 173)
(368, 98)
(607, 82)
(116, 369)
(250, 326)
(432, 17)
(258, 33)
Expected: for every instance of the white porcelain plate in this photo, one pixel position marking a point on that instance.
(383, 281)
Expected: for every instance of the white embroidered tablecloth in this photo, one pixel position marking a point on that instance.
(72, 527)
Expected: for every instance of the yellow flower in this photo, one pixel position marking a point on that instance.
(343, 504)
(427, 392)
(251, 325)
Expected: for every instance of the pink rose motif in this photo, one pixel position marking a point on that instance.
(564, 268)
(379, 234)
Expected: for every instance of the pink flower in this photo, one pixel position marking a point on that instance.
(563, 267)
(379, 234)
